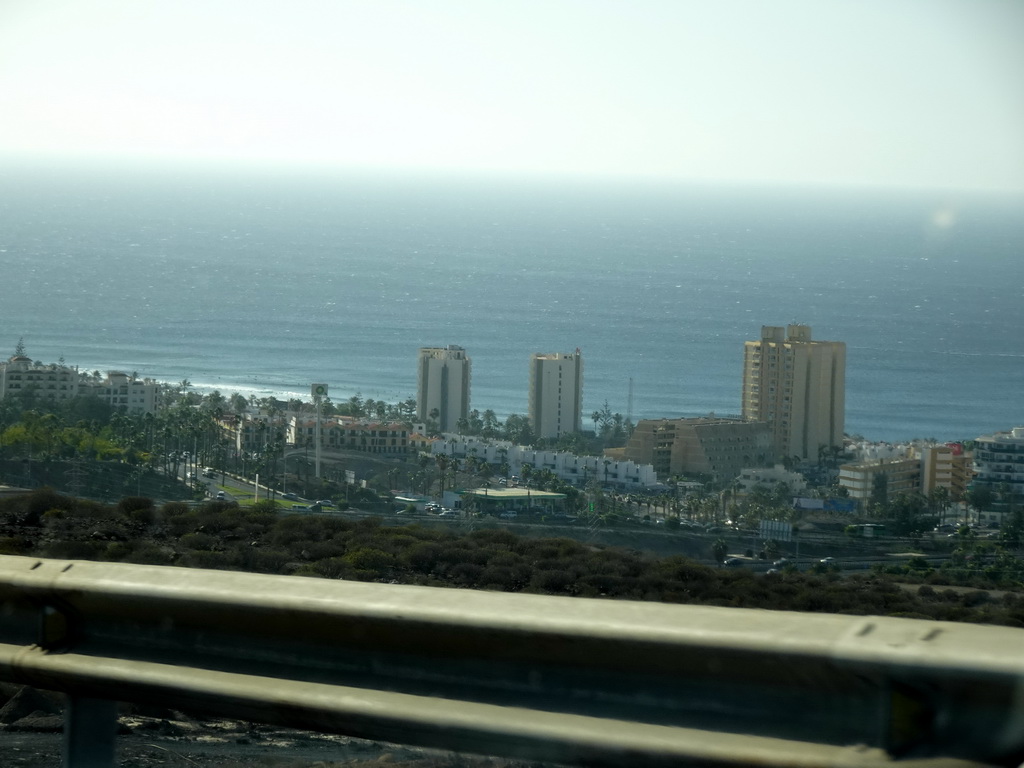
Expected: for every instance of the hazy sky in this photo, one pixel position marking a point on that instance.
(910, 92)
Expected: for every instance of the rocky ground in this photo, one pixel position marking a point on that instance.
(31, 734)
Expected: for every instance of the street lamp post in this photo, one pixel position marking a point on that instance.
(319, 392)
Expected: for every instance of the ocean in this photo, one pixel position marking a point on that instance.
(264, 282)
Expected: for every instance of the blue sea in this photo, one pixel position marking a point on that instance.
(262, 282)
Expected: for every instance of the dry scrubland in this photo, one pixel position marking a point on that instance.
(259, 539)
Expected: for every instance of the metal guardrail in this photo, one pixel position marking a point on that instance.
(567, 680)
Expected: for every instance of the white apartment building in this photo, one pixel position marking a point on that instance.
(753, 477)
(442, 393)
(999, 462)
(798, 386)
(556, 394)
(119, 390)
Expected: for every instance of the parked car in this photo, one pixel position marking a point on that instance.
(325, 502)
(508, 514)
(735, 562)
(289, 496)
(220, 495)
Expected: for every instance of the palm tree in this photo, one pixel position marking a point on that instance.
(526, 470)
(938, 501)
(489, 427)
(443, 464)
(719, 550)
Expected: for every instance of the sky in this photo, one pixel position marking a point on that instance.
(913, 93)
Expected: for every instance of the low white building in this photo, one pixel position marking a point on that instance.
(578, 470)
(751, 478)
(119, 390)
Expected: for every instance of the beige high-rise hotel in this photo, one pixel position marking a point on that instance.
(556, 394)
(442, 393)
(798, 386)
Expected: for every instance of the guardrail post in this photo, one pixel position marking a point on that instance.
(90, 728)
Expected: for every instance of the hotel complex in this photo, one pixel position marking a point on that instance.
(442, 393)
(556, 394)
(718, 447)
(21, 377)
(797, 386)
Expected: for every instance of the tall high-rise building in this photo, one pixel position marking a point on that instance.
(556, 394)
(798, 386)
(999, 463)
(442, 394)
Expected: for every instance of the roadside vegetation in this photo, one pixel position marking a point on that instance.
(260, 539)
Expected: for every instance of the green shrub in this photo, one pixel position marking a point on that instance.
(198, 541)
(553, 582)
(150, 554)
(117, 551)
(366, 559)
(73, 550)
(11, 545)
(131, 503)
